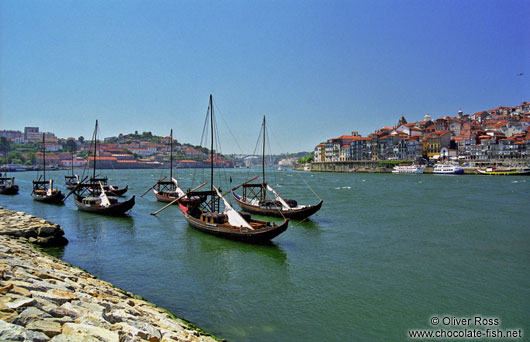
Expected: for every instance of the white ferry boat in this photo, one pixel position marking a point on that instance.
(447, 169)
(416, 169)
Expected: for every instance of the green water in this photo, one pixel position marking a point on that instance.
(385, 253)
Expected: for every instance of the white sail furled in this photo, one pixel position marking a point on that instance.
(49, 191)
(103, 197)
(178, 189)
(234, 218)
(279, 198)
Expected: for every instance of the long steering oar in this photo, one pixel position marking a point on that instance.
(179, 198)
(240, 185)
(146, 191)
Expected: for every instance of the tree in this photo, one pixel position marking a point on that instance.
(4, 144)
(71, 145)
(81, 139)
(306, 159)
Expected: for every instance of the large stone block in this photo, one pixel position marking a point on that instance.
(88, 330)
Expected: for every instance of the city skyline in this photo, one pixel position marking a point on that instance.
(316, 69)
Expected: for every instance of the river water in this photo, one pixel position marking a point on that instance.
(385, 254)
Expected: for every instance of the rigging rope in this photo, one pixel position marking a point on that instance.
(298, 174)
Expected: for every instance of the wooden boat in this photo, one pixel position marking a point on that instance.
(205, 214)
(102, 204)
(254, 199)
(168, 191)
(492, 171)
(70, 181)
(43, 191)
(91, 196)
(7, 184)
(229, 224)
(112, 190)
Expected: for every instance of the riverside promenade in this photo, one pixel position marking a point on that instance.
(43, 298)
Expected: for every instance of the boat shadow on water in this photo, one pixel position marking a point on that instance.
(88, 224)
(209, 243)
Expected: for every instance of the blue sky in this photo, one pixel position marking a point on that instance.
(317, 69)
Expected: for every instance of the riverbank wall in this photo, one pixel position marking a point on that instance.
(43, 298)
(361, 166)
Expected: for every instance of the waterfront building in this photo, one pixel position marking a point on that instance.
(435, 141)
(501, 133)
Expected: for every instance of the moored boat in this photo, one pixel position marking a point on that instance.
(91, 196)
(254, 197)
(445, 168)
(102, 204)
(205, 214)
(170, 190)
(43, 190)
(7, 184)
(408, 168)
(498, 171)
(70, 181)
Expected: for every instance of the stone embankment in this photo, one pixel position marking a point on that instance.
(45, 299)
(30, 228)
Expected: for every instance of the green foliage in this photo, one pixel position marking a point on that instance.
(70, 145)
(306, 159)
(393, 162)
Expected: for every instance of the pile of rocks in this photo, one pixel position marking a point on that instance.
(45, 299)
(35, 230)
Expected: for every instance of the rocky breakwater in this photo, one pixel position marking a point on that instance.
(45, 299)
(30, 228)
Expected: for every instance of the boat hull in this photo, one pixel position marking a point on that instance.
(164, 198)
(9, 190)
(296, 214)
(257, 236)
(56, 198)
(505, 172)
(115, 209)
(409, 169)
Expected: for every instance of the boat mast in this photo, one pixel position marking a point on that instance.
(44, 157)
(263, 154)
(72, 163)
(171, 157)
(211, 144)
(263, 190)
(95, 147)
(5, 160)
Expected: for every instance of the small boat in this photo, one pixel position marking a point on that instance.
(43, 191)
(70, 181)
(254, 199)
(92, 196)
(7, 184)
(493, 171)
(205, 213)
(168, 191)
(408, 168)
(101, 203)
(112, 190)
(447, 168)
